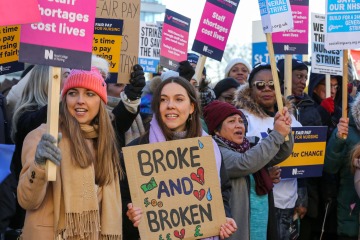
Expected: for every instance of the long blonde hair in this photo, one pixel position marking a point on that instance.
(106, 160)
(34, 95)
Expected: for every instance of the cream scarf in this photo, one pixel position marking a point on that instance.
(81, 210)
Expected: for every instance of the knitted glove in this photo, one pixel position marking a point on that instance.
(46, 150)
(186, 70)
(137, 82)
(328, 104)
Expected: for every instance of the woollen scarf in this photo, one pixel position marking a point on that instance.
(263, 182)
(156, 135)
(80, 216)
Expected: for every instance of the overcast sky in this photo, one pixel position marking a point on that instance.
(248, 11)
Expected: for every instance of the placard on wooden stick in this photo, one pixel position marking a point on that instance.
(53, 115)
(61, 40)
(176, 183)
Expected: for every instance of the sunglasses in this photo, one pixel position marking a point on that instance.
(260, 85)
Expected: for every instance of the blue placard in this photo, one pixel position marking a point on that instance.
(149, 65)
(260, 54)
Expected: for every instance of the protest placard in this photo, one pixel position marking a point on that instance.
(214, 28)
(176, 183)
(323, 61)
(64, 36)
(342, 24)
(307, 158)
(294, 41)
(276, 15)
(107, 44)
(19, 12)
(260, 51)
(150, 40)
(129, 12)
(174, 40)
(9, 49)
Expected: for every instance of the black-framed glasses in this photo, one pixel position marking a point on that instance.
(260, 85)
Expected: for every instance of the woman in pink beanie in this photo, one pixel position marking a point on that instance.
(85, 201)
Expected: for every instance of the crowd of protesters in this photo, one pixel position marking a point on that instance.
(251, 136)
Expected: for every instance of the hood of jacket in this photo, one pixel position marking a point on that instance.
(355, 112)
(243, 100)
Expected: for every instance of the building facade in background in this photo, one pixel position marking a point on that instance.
(152, 10)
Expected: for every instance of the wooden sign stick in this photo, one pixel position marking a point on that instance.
(275, 75)
(328, 85)
(199, 68)
(53, 115)
(288, 75)
(345, 86)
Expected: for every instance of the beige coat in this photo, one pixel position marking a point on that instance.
(35, 194)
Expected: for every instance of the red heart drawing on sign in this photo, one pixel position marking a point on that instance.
(199, 177)
(199, 194)
(180, 234)
(168, 17)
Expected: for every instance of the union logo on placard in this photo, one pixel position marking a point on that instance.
(49, 54)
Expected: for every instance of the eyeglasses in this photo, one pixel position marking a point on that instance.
(260, 85)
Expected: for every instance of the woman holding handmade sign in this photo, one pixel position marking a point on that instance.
(177, 116)
(85, 201)
(245, 165)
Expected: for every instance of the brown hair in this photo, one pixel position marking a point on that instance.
(354, 154)
(193, 125)
(106, 158)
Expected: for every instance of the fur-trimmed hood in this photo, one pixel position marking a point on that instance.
(243, 100)
(355, 111)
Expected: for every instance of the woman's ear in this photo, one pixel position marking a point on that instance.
(192, 108)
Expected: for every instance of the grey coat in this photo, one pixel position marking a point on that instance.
(270, 151)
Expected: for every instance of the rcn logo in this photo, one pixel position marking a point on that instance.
(207, 50)
(289, 49)
(295, 172)
(49, 54)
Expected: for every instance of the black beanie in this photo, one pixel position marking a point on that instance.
(224, 85)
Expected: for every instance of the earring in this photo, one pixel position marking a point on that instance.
(190, 118)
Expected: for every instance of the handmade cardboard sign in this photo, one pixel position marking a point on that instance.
(260, 53)
(307, 158)
(107, 43)
(214, 28)
(19, 12)
(129, 12)
(176, 183)
(323, 61)
(294, 41)
(174, 40)
(276, 15)
(150, 40)
(342, 24)
(9, 49)
(64, 36)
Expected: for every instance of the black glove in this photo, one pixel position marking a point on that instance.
(186, 70)
(46, 150)
(137, 82)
